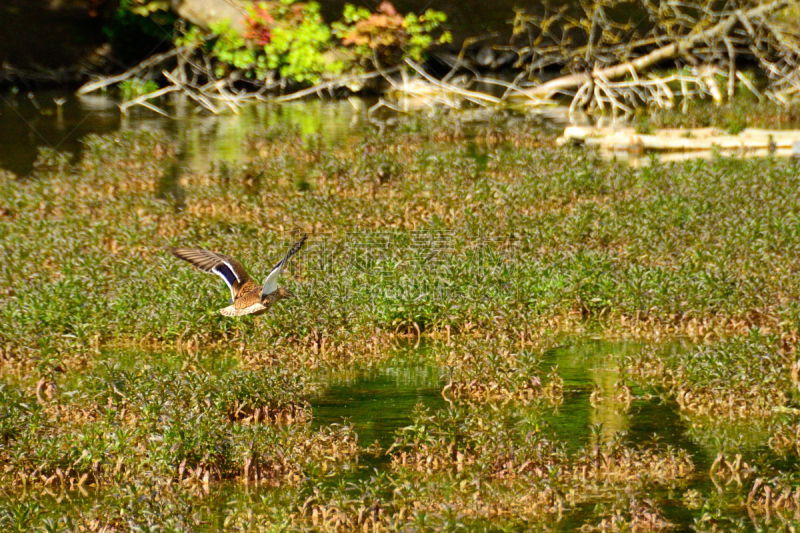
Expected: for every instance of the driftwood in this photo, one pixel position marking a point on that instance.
(194, 77)
(611, 61)
(681, 140)
(148, 63)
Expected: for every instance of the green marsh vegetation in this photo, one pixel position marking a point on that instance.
(128, 403)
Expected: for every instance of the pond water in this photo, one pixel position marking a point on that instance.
(59, 120)
(379, 402)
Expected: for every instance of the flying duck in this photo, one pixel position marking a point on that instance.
(248, 298)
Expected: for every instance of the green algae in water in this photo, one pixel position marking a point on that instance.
(378, 401)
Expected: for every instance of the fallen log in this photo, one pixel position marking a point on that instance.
(680, 140)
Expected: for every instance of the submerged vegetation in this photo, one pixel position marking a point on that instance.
(126, 394)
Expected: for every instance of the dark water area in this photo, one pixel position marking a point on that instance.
(591, 366)
(56, 120)
(594, 366)
(378, 401)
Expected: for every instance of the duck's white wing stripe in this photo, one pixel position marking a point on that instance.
(227, 274)
(233, 271)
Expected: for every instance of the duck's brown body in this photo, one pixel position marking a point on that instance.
(248, 297)
(251, 303)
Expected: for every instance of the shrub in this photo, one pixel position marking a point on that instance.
(388, 37)
(289, 39)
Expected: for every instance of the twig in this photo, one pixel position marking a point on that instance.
(142, 100)
(334, 84)
(467, 42)
(200, 99)
(452, 88)
(671, 50)
(148, 63)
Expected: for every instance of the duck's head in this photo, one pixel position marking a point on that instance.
(284, 293)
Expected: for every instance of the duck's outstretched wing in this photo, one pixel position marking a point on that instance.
(228, 268)
(271, 283)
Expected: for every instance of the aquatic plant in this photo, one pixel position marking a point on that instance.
(492, 372)
(118, 424)
(638, 515)
(736, 378)
(120, 378)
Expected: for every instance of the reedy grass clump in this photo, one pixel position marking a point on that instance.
(116, 426)
(778, 498)
(457, 468)
(495, 443)
(731, 379)
(786, 438)
(486, 371)
(499, 444)
(632, 515)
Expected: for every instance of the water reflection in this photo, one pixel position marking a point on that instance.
(59, 120)
(379, 401)
(594, 393)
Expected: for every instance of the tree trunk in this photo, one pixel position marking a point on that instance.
(205, 12)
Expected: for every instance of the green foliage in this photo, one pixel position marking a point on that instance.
(300, 43)
(231, 50)
(195, 36)
(290, 39)
(643, 124)
(388, 37)
(419, 28)
(130, 89)
(144, 8)
(287, 37)
(736, 126)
